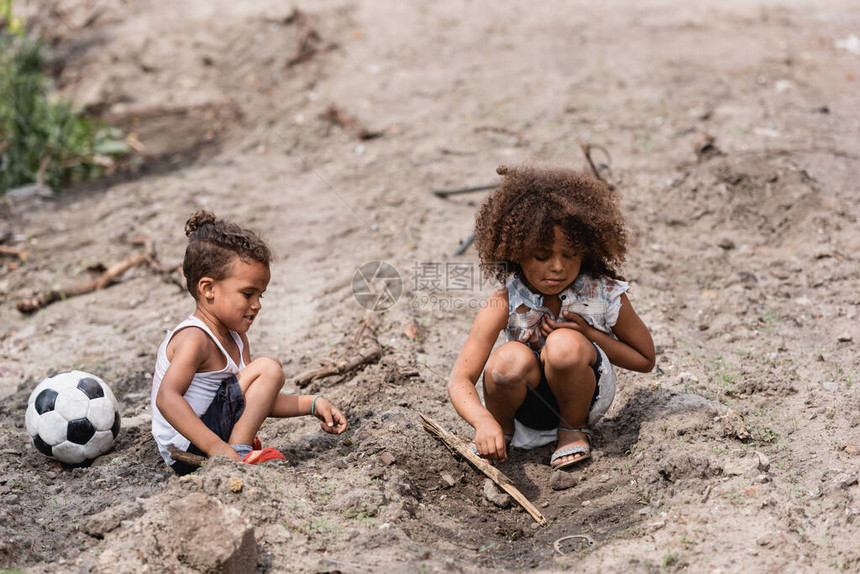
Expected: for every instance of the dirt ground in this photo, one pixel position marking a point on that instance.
(738, 453)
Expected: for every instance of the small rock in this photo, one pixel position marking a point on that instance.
(726, 244)
(447, 480)
(705, 147)
(376, 472)
(563, 480)
(685, 378)
(586, 503)
(844, 480)
(500, 499)
(850, 43)
(763, 461)
(109, 519)
(733, 424)
(845, 338)
(31, 190)
(762, 479)
(829, 386)
(212, 537)
(387, 458)
(701, 112)
(851, 449)
(236, 484)
(741, 466)
(782, 85)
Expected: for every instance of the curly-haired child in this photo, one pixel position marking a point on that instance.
(208, 395)
(555, 238)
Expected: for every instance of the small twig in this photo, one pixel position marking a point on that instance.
(309, 38)
(465, 245)
(106, 279)
(492, 472)
(364, 325)
(370, 354)
(338, 117)
(43, 167)
(13, 252)
(586, 151)
(458, 191)
(521, 141)
(186, 457)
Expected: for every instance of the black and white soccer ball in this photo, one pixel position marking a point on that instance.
(72, 417)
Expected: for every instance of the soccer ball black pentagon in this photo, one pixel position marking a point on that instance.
(72, 417)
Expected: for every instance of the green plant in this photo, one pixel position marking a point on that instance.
(42, 137)
(735, 497)
(669, 559)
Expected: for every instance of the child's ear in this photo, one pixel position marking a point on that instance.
(205, 287)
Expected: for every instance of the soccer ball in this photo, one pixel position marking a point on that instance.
(72, 417)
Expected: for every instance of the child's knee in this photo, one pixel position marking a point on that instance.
(269, 369)
(567, 349)
(510, 366)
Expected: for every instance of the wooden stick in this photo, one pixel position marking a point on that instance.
(113, 273)
(461, 190)
(14, 252)
(465, 245)
(308, 40)
(495, 474)
(186, 457)
(338, 117)
(110, 276)
(586, 151)
(367, 355)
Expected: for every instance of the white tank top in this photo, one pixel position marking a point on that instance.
(200, 392)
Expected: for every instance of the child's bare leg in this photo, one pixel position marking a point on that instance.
(568, 357)
(508, 374)
(261, 382)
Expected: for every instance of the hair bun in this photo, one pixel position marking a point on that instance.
(198, 220)
(502, 170)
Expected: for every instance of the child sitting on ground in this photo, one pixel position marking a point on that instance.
(555, 239)
(208, 395)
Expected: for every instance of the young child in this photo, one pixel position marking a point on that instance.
(208, 395)
(555, 239)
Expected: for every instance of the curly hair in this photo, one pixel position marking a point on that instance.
(520, 215)
(213, 244)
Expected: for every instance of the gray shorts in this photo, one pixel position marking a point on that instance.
(221, 416)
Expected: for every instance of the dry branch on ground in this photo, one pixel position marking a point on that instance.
(460, 446)
(110, 276)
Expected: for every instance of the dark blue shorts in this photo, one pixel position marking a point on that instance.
(539, 410)
(221, 416)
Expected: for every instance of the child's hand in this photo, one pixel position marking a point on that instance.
(331, 419)
(225, 449)
(574, 322)
(490, 440)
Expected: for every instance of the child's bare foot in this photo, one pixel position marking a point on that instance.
(574, 445)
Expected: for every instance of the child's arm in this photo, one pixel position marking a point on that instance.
(331, 419)
(634, 348)
(489, 322)
(190, 351)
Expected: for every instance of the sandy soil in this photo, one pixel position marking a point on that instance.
(738, 453)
